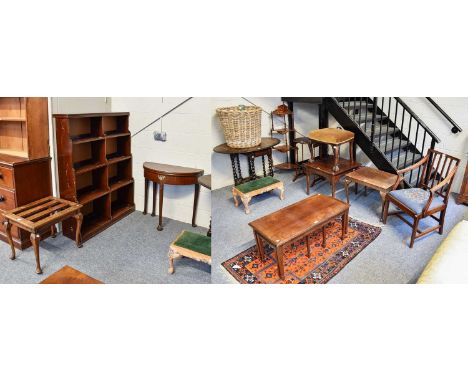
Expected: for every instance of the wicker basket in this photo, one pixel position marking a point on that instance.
(242, 125)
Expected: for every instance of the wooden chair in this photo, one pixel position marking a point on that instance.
(431, 195)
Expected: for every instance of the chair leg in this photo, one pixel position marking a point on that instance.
(441, 222)
(415, 230)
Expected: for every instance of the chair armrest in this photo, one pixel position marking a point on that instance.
(413, 166)
(447, 179)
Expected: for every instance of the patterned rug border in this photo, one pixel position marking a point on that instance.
(308, 279)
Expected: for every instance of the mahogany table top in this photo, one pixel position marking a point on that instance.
(297, 219)
(169, 169)
(265, 144)
(69, 275)
(331, 136)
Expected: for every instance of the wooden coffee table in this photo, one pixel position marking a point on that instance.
(69, 275)
(379, 180)
(298, 220)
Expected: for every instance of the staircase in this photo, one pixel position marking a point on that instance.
(386, 130)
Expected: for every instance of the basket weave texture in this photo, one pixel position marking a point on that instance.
(242, 126)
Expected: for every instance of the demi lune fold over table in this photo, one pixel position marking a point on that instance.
(296, 221)
(166, 174)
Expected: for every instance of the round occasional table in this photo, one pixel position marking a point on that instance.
(263, 149)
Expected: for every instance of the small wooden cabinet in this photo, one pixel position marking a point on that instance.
(95, 168)
(25, 174)
(463, 195)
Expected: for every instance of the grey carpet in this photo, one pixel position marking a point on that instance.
(131, 251)
(388, 259)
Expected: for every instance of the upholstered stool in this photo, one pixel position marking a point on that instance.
(246, 191)
(193, 245)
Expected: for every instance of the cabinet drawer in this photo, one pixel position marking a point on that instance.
(6, 177)
(7, 199)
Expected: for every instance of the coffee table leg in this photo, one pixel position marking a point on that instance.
(35, 239)
(7, 225)
(145, 211)
(260, 249)
(308, 245)
(324, 237)
(279, 258)
(161, 201)
(195, 204)
(155, 193)
(79, 223)
(344, 225)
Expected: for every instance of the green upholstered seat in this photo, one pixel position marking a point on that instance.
(256, 184)
(194, 242)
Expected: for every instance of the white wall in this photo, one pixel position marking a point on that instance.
(64, 105)
(188, 144)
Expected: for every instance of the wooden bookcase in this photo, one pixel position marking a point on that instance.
(95, 168)
(25, 174)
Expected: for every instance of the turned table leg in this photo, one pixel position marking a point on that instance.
(195, 204)
(145, 211)
(35, 239)
(79, 223)
(7, 225)
(161, 201)
(336, 157)
(155, 191)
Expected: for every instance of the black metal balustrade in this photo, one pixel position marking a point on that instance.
(392, 128)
